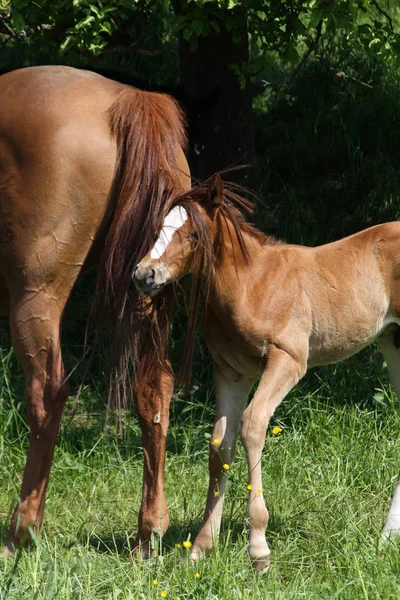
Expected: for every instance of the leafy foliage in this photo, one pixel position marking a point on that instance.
(289, 28)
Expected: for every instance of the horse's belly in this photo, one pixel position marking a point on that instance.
(335, 345)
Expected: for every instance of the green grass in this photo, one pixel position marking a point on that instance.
(328, 480)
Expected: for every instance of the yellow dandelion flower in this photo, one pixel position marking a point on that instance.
(155, 582)
(277, 430)
(259, 492)
(225, 466)
(178, 546)
(250, 487)
(216, 493)
(187, 544)
(216, 442)
(164, 593)
(197, 575)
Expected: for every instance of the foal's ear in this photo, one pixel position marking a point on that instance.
(216, 191)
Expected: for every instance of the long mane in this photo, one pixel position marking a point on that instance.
(149, 130)
(207, 249)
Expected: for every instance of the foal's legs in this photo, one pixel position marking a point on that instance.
(231, 399)
(392, 356)
(281, 374)
(35, 322)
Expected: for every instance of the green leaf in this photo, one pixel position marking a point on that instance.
(106, 26)
(230, 22)
(187, 33)
(17, 20)
(96, 11)
(290, 54)
(235, 68)
(315, 17)
(374, 43)
(198, 26)
(85, 22)
(180, 22)
(69, 42)
(236, 36)
(256, 65)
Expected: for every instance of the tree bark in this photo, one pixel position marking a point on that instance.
(221, 126)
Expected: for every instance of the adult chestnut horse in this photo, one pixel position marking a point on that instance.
(86, 165)
(273, 310)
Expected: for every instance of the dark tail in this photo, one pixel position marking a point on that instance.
(149, 130)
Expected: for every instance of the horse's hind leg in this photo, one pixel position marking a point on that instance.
(35, 329)
(153, 392)
(389, 345)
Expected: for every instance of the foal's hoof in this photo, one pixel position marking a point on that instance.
(390, 535)
(261, 565)
(7, 551)
(197, 554)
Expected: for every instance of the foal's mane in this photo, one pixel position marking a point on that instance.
(228, 212)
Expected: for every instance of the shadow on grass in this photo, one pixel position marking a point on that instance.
(124, 543)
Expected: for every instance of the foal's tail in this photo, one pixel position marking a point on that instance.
(149, 130)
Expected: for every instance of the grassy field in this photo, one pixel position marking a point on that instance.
(328, 479)
(330, 164)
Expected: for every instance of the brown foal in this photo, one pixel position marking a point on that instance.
(272, 311)
(86, 165)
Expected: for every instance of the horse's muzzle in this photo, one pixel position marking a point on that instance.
(144, 279)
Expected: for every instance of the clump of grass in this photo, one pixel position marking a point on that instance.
(328, 478)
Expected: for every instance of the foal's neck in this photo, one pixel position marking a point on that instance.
(232, 269)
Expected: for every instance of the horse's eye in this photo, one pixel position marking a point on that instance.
(194, 236)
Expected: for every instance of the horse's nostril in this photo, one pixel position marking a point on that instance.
(152, 274)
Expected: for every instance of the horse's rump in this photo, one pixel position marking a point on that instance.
(86, 165)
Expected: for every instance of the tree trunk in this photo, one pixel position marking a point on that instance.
(221, 125)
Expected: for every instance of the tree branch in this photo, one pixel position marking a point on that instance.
(5, 17)
(383, 12)
(313, 47)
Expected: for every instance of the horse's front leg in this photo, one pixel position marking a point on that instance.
(153, 397)
(281, 374)
(231, 395)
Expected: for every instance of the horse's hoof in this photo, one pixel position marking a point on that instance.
(7, 551)
(143, 551)
(261, 565)
(196, 554)
(390, 535)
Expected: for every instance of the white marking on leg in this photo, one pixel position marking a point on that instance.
(172, 222)
(392, 525)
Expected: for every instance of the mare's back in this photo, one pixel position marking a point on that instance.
(57, 160)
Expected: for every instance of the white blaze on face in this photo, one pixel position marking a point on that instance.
(172, 222)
